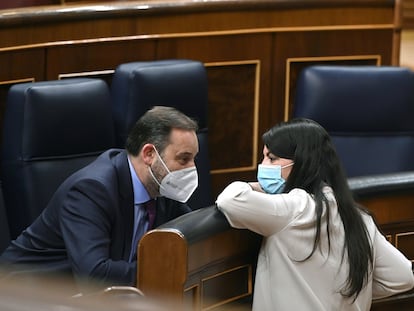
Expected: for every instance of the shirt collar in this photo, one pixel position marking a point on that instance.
(140, 193)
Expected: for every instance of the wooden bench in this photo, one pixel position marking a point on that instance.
(201, 263)
(198, 260)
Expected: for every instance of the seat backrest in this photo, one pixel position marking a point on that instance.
(367, 110)
(179, 83)
(51, 129)
(4, 225)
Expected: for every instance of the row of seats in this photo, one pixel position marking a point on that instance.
(368, 112)
(53, 128)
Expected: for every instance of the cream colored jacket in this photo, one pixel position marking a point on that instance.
(287, 222)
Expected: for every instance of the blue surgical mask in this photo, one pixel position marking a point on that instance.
(270, 178)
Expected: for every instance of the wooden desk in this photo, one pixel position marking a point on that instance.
(200, 262)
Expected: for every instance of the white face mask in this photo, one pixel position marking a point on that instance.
(177, 185)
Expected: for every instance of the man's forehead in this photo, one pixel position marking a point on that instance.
(183, 143)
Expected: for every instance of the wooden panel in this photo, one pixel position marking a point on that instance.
(395, 218)
(391, 209)
(80, 59)
(238, 282)
(8, 4)
(232, 101)
(165, 17)
(219, 246)
(18, 67)
(222, 267)
(401, 236)
(408, 14)
(22, 64)
(405, 243)
(191, 299)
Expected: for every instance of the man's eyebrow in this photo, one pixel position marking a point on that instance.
(184, 153)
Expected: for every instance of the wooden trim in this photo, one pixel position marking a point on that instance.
(17, 81)
(127, 8)
(395, 58)
(85, 74)
(226, 32)
(197, 34)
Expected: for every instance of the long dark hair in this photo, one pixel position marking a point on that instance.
(317, 164)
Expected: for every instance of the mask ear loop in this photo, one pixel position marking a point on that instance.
(152, 173)
(287, 165)
(162, 161)
(153, 176)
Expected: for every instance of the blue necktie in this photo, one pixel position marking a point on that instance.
(150, 208)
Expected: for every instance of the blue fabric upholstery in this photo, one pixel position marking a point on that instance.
(4, 225)
(367, 110)
(51, 129)
(180, 83)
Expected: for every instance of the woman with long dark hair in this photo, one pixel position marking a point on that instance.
(320, 250)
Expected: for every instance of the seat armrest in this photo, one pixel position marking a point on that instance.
(199, 224)
(390, 199)
(384, 183)
(401, 302)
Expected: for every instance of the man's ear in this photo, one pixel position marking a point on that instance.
(148, 154)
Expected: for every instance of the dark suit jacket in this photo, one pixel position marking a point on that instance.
(86, 229)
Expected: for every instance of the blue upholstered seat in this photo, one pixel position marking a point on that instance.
(51, 129)
(4, 225)
(368, 111)
(180, 83)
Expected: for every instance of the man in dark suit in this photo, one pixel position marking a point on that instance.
(91, 227)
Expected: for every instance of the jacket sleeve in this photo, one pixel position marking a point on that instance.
(260, 212)
(392, 272)
(86, 223)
